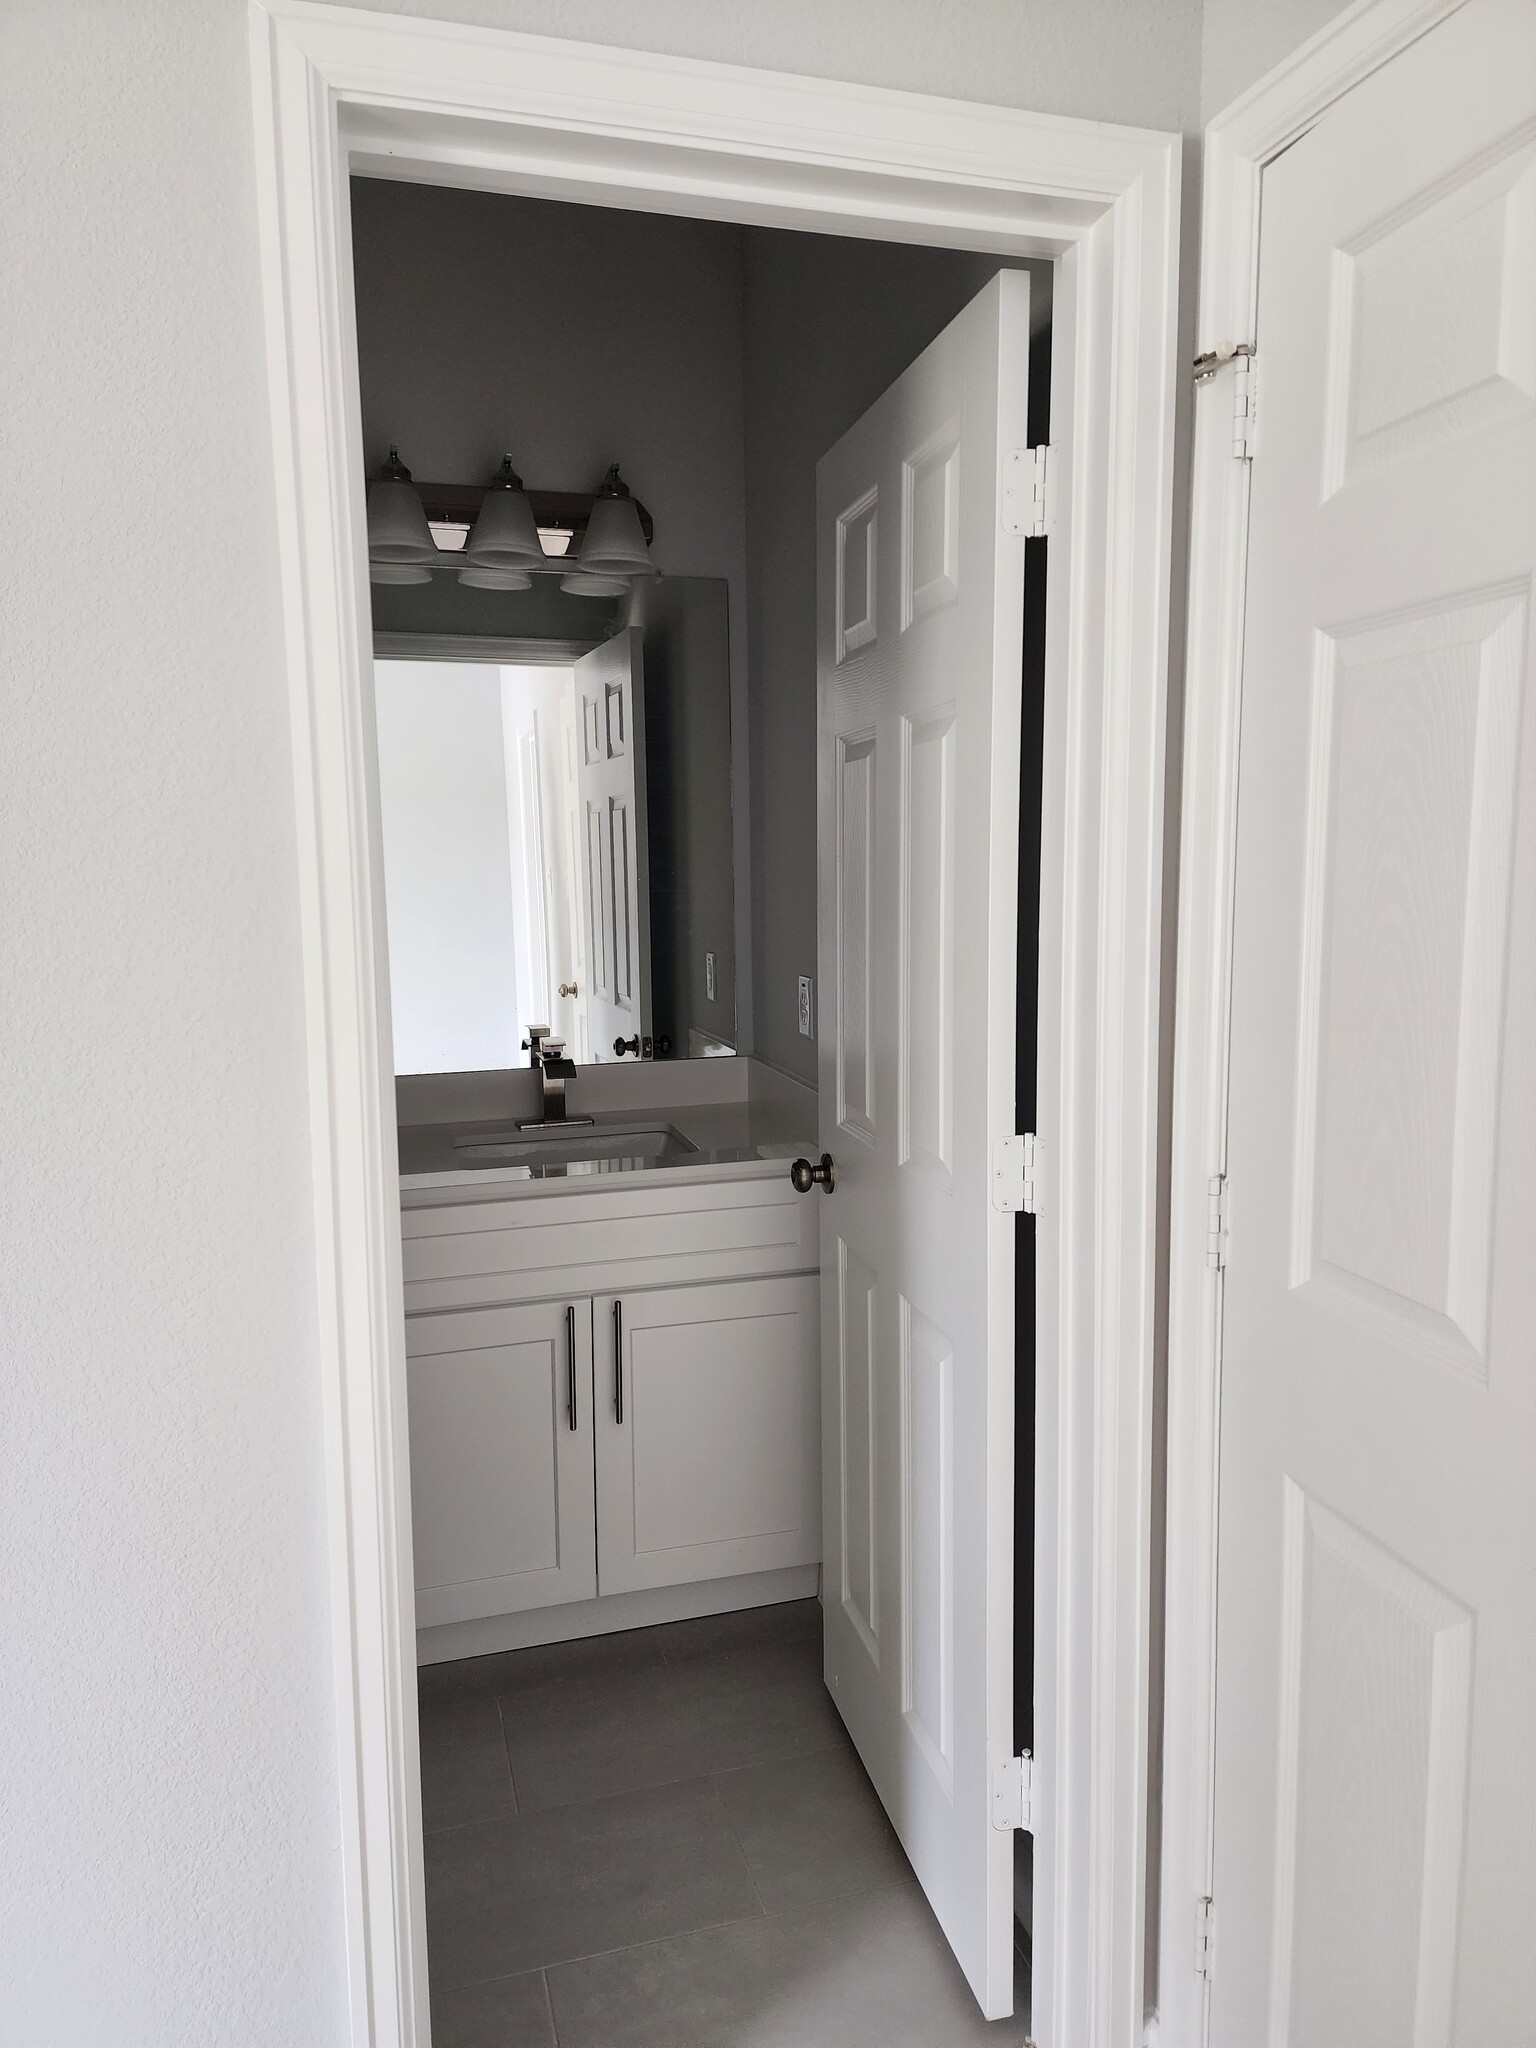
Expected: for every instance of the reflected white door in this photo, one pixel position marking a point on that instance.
(1375, 1800)
(919, 649)
(615, 863)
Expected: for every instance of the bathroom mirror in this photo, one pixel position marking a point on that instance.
(555, 798)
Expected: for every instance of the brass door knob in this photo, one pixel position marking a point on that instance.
(805, 1176)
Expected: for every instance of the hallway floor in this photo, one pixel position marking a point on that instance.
(664, 1839)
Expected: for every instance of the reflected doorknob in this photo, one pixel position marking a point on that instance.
(642, 1048)
(805, 1176)
(569, 988)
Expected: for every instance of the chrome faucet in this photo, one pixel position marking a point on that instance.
(548, 1055)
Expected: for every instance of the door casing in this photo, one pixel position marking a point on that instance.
(398, 96)
(1238, 144)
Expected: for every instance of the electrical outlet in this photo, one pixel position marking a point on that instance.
(709, 977)
(805, 1006)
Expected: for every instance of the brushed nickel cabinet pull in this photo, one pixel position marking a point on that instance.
(570, 1367)
(618, 1363)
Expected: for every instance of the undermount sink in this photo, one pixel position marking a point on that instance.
(576, 1151)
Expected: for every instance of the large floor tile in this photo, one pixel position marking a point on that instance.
(519, 1894)
(511, 1671)
(465, 1772)
(511, 2013)
(623, 1729)
(746, 1628)
(812, 1828)
(868, 1972)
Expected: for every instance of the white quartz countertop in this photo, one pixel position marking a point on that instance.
(725, 1140)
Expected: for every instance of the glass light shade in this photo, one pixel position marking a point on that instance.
(397, 525)
(504, 534)
(579, 584)
(491, 576)
(614, 542)
(399, 572)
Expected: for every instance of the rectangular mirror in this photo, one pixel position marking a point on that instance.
(555, 795)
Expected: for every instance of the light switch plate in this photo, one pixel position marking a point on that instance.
(805, 1006)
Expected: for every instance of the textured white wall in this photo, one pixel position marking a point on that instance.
(1239, 42)
(167, 1794)
(447, 866)
(1108, 60)
(171, 1872)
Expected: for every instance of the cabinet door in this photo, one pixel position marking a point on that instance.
(708, 1441)
(501, 1459)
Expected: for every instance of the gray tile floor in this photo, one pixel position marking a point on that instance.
(664, 1839)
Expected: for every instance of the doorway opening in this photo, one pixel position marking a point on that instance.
(426, 102)
(716, 363)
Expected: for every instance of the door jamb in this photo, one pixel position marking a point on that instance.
(1267, 119)
(403, 96)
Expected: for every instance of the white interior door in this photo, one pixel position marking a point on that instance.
(537, 723)
(707, 1432)
(919, 650)
(610, 707)
(1375, 1800)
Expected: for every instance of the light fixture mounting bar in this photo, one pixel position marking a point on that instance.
(460, 504)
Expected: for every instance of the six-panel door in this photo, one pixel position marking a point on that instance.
(501, 1459)
(707, 1418)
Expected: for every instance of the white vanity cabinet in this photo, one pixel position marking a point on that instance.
(611, 1393)
(502, 1514)
(708, 1432)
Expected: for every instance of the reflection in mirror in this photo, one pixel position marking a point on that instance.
(556, 820)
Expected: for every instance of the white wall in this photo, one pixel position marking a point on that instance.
(1239, 42)
(1107, 60)
(171, 1874)
(447, 866)
(168, 1798)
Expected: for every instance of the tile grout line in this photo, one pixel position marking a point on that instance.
(506, 1750)
(549, 2007)
(598, 1955)
(741, 1849)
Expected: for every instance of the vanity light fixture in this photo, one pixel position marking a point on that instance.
(399, 538)
(614, 543)
(504, 541)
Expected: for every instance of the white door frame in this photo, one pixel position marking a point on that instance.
(411, 98)
(1238, 144)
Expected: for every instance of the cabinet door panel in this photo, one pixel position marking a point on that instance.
(707, 1432)
(501, 1483)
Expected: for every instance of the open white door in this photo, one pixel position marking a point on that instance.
(919, 650)
(615, 863)
(1375, 1793)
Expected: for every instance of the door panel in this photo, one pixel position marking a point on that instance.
(919, 661)
(1375, 1848)
(706, 1432)
(501, 1459)
(610, 693)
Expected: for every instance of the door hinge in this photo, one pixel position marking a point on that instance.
(1205, 1938)
(1216, 1221)
(1026, 492)
(1014, 1162)
(1242, 356)
(1013, 1794)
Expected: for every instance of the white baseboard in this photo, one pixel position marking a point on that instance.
(481, 1638)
